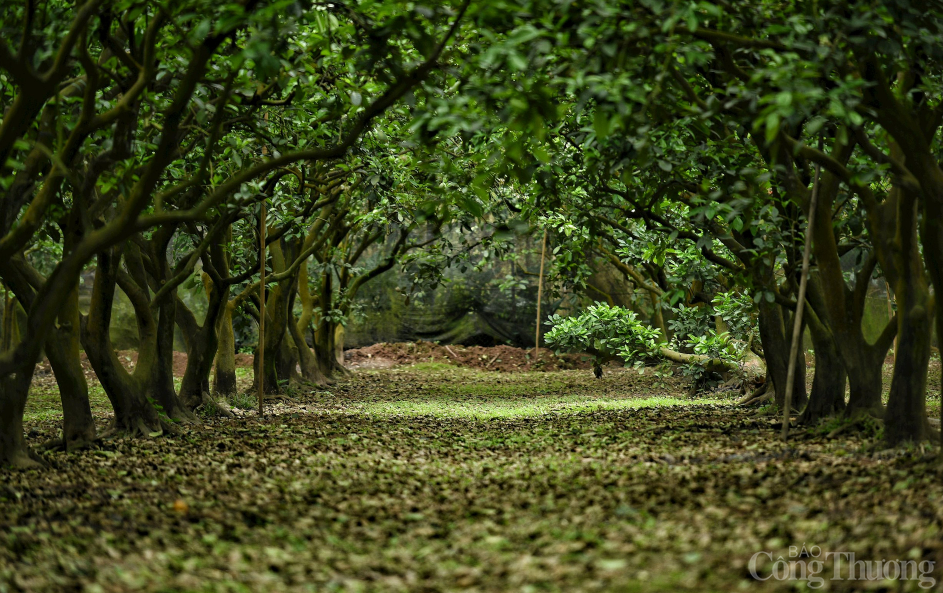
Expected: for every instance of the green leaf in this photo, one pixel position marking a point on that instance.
(601, 124)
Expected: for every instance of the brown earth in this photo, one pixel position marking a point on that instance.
(129, 359)
(493, 358)
(383, 355)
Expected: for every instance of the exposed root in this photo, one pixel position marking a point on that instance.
(215, 407)
(859, 423)
(758, 396)
(859, 414)
(139, 429)
(24, 459)
(170, 428)
(182, 415)
(841, 429)
(60, 445)
(280, 398)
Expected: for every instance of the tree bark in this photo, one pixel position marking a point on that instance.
(276, 321)
(310, 371)
(339, 333)
(13, 450)
(324, 333)
(134, 414)
(224, 378)
(905, 419)
(203, 344)
(62, 349)
(776, 350)
(828, 384)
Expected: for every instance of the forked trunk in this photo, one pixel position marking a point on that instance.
(865, 383)
(160, 386)
(133, 412)
(203, 342)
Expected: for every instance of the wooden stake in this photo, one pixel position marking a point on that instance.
(5, 338)
(800, 303)
(540, 292)
(262, 311)
(890, 315)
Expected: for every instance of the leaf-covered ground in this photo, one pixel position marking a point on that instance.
(435, 478)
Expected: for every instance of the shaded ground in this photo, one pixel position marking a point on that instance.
(437, 478)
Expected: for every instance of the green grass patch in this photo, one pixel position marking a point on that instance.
(442, 407)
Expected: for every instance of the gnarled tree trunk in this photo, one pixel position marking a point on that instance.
(828, 385)
(127, 393)
(203, 344)
(13, 449)
(310, 370)
(62, 349)
(224, 376)
(776, 350)
(906, 417)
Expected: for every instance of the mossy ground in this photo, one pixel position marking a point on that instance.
(437, 478)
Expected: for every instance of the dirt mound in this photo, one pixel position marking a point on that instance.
(380, 356)
(493, 358)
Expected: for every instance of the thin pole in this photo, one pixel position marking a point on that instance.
(262, 311)
(890, 315)
(5, 339)
(800, 303)
(540, 294)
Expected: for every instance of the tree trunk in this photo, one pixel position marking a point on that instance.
(932, 238)
(306, 359)
(339, 344)
(274, 333)
(161, 385)
(287, 365)
(905, 419)
(133, 412)
(324, 345)
(13, 450)
(862, 361)
(310, 371)
(224, 379)
(62, 349)
(203, 342)
(325, 350)
(828, 385)
(776, 350)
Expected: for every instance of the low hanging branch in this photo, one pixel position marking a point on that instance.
(613, 333)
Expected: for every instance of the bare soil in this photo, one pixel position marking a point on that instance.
(494, 358)
(129, 358)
